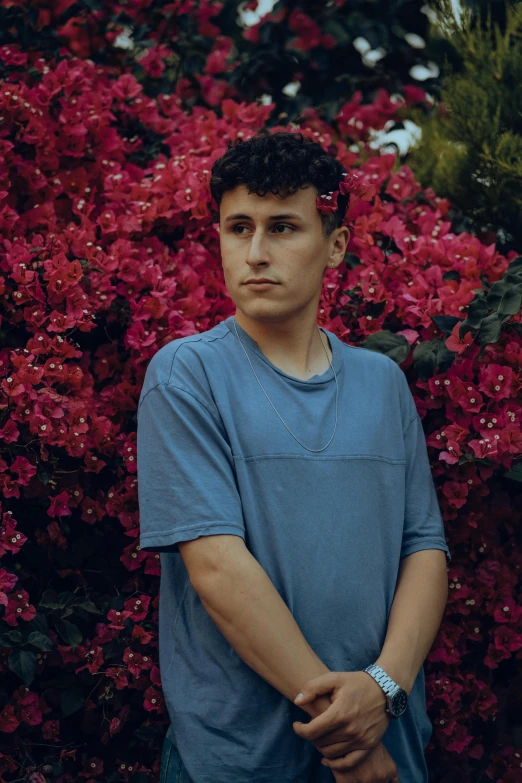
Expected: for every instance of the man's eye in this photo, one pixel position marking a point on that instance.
(278, 225)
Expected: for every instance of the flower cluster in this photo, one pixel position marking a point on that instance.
(108, 251)
(353, 185)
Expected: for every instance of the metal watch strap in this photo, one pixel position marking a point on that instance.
(388, 685)
(396, 697)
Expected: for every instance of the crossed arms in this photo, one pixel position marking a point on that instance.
(246, 607)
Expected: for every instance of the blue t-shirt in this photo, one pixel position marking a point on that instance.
(329, 529)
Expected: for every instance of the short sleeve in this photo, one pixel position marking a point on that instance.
(186, 480)
(423, 523)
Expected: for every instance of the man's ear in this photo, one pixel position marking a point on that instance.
(343, 230)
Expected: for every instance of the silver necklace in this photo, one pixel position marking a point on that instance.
(272, 404)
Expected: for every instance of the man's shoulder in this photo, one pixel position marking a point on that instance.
(387, 377)
(185, 361)
(373, 359)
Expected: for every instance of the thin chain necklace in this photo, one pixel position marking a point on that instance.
(272, 404)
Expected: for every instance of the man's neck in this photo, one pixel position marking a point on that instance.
(284, 349)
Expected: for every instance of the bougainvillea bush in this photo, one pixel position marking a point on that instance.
(108, 250)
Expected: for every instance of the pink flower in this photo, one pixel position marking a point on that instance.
(327, 202)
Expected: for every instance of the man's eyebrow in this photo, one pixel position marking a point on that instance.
(286, 216)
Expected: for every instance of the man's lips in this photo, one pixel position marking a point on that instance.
(260, 286)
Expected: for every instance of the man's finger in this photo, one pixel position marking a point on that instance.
(319, 726)
(334, 750)
(318, 686)
(345, 763)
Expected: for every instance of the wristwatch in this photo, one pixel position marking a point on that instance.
(396, 697)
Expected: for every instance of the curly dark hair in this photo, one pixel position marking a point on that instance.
(280, 163)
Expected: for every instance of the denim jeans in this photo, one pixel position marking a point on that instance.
(172, 769)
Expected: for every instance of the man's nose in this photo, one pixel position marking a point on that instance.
(257, 249)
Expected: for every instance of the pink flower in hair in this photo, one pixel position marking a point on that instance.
(349, 184)
(327, 202)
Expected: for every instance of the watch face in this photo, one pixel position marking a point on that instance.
(399, 703)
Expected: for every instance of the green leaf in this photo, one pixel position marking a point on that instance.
(453, 274)
(67, 597)
(71, 701)
(464, 328)
(11, 638)
(332, 26)
(393, 345)
(477, 310)
(40, 640)
(39, 623)
(50, 601)
(23, 663)
(515, 266)
(500, 288)
(351, 260)
(72, 10)
(446, 323)
(53, 601)
(432, 356)
(490, 329)
(89, 607)
(193, 64)
(425, 358)
(114, 649)
(515, 473)
(445, 357)
(69, 632)
(375, 309)
(511, 302)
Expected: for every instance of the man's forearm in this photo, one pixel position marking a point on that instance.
(246, 607)
(417, 610)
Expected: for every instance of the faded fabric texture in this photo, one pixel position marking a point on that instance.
(329, 529)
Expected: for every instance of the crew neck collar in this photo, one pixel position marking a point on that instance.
(326, 377)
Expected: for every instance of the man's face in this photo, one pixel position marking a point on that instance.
(280, 239)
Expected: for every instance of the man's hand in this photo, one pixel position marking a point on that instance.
(377, 767)
(353, 724)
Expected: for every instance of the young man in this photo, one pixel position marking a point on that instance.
(283, 475)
